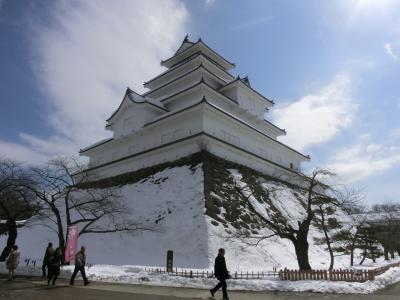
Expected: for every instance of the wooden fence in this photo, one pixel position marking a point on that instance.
(210, 274)
(382, 270)
(335, 275)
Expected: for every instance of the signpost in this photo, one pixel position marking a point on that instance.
(170, 261)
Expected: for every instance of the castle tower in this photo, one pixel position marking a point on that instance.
(195, 105)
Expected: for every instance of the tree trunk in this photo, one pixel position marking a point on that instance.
(364, 256)
(386, 251)
(327, 239)
(352, 257)
(373, 257)
(301, 248)
(60, 227)
(352, 248)
(12, 237)
(392, 253)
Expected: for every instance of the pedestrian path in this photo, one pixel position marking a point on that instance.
(135, 289)
(157, 292)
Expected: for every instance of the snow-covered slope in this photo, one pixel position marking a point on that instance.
(196, 208)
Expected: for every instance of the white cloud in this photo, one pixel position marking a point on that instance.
(85, 58)
(21, 153)
(363, 160)
(389, 50)
(317, 118)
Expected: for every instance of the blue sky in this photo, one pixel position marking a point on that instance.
(332, 68)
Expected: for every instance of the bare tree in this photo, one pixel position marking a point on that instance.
(349, 237)
(64, 188)
(314, 191)
(386, 225)
(18, 203)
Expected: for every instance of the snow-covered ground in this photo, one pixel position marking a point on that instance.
(137, 275)
(173, 201)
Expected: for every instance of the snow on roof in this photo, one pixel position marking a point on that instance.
(198, 43)
(101, 142)
(183, 76)
(137, 98)
(187, 60)
(185, 44)
(245, 81)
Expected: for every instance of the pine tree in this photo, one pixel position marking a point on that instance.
(346, 241)
(326, 221)
(369, 244)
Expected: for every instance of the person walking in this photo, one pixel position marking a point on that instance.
(47, 254)
(54, 265)
(80, 262)
(221, 272)
(12, 262)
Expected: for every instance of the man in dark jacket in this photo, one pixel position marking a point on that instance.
(49, 252)
(221, 273)
(54, 265)
(80, 262)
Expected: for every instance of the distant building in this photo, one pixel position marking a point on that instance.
(195, 105)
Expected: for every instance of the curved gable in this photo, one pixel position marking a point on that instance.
(133, 112)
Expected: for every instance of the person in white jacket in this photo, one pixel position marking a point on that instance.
(12, 262)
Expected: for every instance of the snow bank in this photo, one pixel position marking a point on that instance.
(136, 275)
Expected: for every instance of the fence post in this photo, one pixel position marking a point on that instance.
(371, 275)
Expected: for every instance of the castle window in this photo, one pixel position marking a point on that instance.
(178, 134)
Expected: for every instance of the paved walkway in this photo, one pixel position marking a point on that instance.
(35, 289)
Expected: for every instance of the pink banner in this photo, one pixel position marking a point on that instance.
(72, 243)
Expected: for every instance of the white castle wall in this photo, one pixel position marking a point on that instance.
(199, 119)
